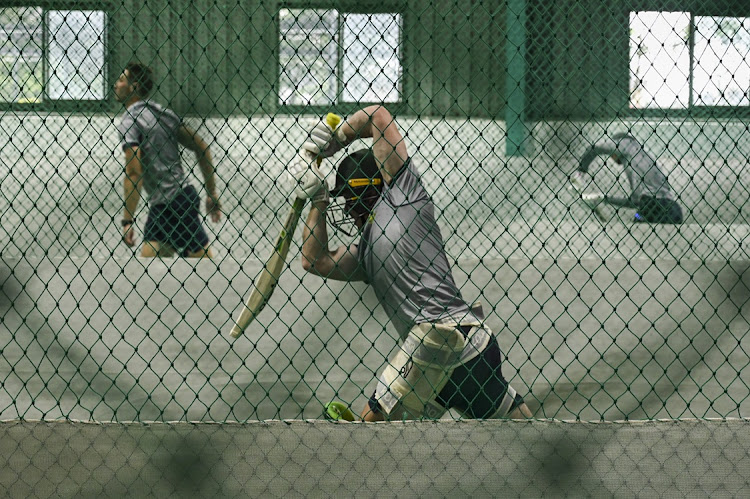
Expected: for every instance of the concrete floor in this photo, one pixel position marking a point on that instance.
(586, 338)
(490, 459)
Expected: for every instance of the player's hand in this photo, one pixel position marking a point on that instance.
(213, 208)
(593, 199)
(128, 235)
(577, 177)
(307, 178)
(579, 180)
(324, 142)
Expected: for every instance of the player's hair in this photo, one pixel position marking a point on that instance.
(359, 182)
(143, 76)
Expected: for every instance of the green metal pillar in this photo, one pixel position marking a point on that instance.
(515, 83)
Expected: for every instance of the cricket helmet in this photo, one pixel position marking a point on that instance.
(358, 182)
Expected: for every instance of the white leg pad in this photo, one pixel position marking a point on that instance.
(418, 370)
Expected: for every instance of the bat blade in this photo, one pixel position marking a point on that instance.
(268, 278)
(578, 185)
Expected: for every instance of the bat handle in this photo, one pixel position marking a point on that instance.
(332, 120)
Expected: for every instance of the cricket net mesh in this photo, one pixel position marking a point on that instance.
(629, 341)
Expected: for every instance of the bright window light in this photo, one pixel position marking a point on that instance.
(659, 59)
(326, 57)
(721, 71)
(75, 63)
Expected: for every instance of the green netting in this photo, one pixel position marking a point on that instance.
(600, 316)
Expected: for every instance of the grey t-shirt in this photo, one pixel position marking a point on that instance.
(402, 252)
(153, 128)
(644, 176)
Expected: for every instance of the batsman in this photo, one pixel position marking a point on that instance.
(447, 357)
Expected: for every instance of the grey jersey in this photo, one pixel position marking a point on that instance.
(153, 128)
(404, 259)
(644, 175)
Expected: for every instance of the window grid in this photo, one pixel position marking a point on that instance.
(52, 56)
(327, 56)
(681, 61)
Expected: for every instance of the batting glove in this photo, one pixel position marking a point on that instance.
(308, 180)
(324, 142)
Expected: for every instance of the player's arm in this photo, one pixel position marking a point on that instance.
(194, 142)
(371, 122)
(632, 201)
(341, 264)
(605, 147)
(132, 184)
(388, 144)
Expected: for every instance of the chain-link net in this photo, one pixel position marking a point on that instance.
(587, 166)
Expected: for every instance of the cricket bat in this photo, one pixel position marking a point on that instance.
(265, 283)
(578, 185)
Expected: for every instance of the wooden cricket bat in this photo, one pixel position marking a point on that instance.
(578, 186)
(265, 283)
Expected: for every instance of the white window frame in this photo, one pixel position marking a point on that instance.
(329, 57)
(52, 55)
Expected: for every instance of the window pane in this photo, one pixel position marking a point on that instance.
(371, 61)
(21, 54)
(76, 55)
(308, 56)
(659, 59)
(721, 71)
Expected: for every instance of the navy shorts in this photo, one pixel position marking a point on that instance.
(658, 211)
(476, 388)
(178, 223)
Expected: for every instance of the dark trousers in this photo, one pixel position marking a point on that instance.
(178, 223)
(658, 211)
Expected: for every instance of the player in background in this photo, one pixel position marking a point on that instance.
(150, 136)
(651, 194)
(447, 357)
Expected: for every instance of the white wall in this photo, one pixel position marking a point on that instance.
(61, 185)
